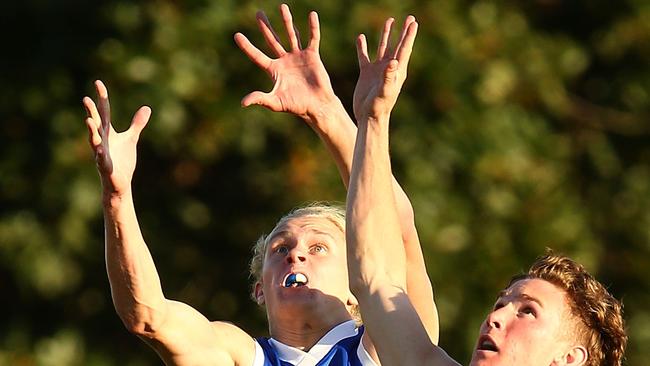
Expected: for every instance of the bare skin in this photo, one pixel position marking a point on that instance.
(180, 334)
(314, 247)
(528, 325)
(377, 261)
(302, 87)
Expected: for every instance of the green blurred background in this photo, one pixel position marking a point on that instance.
(523, 125)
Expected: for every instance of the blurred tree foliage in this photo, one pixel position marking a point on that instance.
(523, 125)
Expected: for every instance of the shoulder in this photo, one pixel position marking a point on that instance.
(186, 337)
(219, 343)
(235, 341)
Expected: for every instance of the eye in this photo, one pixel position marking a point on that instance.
(281, 249)
(318, 248)
(498, 305)
(527, 310)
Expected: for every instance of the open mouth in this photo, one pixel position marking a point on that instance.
(295, 280)
(487, 344)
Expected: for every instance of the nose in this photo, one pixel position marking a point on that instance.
(496, 318)
(493, 322)
(295, 256)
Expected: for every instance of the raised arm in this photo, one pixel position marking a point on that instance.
(179, 334)
(302, 87)
(418, 284)
(376, 258)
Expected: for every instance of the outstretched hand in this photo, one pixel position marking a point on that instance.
(301, 83)
(115, 153)
(380, 82)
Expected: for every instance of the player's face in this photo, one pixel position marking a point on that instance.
(526, 327)
(305, 259)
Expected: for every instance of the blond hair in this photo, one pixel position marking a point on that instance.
(332, 212)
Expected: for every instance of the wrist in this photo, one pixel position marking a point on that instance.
(326, 110)
(114, 199)
(375, 118)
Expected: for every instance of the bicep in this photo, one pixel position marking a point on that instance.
(187, 337)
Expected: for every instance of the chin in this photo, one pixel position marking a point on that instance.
(297, 296)
(478, 360)
(484, 363)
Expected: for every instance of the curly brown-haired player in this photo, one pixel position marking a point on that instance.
(597, 317)
(556, 314)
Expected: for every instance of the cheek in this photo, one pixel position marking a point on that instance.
(336, 271)
(267, 271)
(531, 346)
(520, 351)
(341, 265)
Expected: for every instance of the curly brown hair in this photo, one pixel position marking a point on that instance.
(600, 326)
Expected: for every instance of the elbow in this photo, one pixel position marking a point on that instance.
(363, 277)
(134, 326)
(358, 286)
(407, 220)
(143, 321)
(406, 214)
(369, 281)
(358, 278)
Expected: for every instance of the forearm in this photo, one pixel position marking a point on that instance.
(395, 327)
(373, 230)
(135, 285)
(376, 258)
(338, 132)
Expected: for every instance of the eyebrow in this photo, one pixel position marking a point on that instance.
(532, 298)
(315, 228)
(523, 296)
(324, 233)
(285, 233)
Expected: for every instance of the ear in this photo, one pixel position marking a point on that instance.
(575, 356)
(259, 293)
(352, 300)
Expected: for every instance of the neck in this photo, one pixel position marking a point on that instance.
(303, 330)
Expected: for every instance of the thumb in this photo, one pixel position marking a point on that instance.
(266, 100)
(139, 121)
